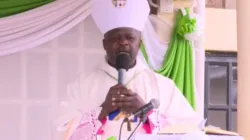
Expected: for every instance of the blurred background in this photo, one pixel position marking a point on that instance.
(33, 81)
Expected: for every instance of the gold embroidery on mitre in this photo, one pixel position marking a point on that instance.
(119, 3)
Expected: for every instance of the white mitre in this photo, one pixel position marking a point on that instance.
(111, 14)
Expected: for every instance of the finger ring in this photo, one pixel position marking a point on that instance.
(122, 95)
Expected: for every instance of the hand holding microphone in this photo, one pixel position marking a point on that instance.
(128, 100)
(115, 92)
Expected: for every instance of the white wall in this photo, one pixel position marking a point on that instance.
(33, 82)
(221, 30)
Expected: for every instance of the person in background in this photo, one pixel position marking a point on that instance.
(97, 104)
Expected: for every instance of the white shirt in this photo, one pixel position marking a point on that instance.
(88, 93)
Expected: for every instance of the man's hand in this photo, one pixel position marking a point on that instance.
(129, 101)
(109, 104)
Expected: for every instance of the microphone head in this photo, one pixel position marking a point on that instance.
(122, 61)
(155, 103)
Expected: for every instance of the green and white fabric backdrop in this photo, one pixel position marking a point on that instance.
(61, 37)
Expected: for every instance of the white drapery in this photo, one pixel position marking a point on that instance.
(35, 27)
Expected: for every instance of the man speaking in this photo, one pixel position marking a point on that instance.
(122, 84)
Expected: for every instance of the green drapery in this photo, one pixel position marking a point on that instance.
(178, 61)
(12, 7)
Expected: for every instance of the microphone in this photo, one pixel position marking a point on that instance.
(122, 64)
(153, 104)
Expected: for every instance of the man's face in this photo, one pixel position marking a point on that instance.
(119, 40)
